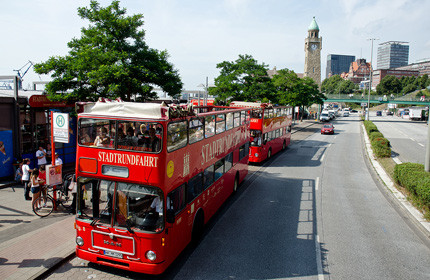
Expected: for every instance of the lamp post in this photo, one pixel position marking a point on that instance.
(205, 94)
(370, 78)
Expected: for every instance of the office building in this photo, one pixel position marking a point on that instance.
(392, 54)
(337, 64)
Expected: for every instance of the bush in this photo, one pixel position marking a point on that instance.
(423, 190)
(375, 134)
(401, 170)
(370, 127)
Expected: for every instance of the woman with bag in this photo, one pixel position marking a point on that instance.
(72, 188)
(35, 187)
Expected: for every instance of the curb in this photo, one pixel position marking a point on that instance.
(49, 270)
(399, 197)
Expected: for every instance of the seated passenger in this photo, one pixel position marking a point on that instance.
(130, 139)
(102, 140)
(153, 144)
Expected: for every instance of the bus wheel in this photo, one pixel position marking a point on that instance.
(236, 183)
(198, 226)
(284, 146)
(269, 153)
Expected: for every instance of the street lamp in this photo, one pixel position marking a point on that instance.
(205, 94)
(370, 78)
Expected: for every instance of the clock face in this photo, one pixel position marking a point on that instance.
(314, 46)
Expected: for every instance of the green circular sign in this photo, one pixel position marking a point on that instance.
(60, 121)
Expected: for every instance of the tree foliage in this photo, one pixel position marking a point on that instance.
(389, 85)
(243, 80)
(336, 85)
(111, 59)
(290, 89)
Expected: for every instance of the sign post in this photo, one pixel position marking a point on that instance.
(59, 133)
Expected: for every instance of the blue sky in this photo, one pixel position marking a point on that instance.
(200, 34)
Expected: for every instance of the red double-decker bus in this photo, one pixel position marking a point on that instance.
(270, 128)
(149, 179)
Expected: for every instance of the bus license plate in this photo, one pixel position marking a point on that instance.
(113, 254)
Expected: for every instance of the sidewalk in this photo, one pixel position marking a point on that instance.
(30, 245)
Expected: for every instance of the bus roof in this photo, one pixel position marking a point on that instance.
(247, 104)
(127, 109)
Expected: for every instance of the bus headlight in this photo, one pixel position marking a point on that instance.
(79, 241)
(256, 154)
(150, 255)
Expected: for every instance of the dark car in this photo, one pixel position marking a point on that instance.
(327, 129)
(389, 113)
(379, 113)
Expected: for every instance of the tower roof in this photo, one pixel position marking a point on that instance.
(313, 25)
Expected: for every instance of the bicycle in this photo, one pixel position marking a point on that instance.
(44, 204)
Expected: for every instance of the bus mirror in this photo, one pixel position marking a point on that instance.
(170, 216)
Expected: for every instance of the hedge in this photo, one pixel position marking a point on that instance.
(413, 177)
(380, 145)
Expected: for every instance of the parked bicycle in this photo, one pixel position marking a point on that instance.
(44, 204)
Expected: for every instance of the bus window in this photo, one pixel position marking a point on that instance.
(229, 121)
(208, 176)
(219, 169)
(228, 162)
(255, 138)
(256, 113)
(220, 123)
(195, 187)
(102, 201)
(209, 126)
(177, 135)
(127, 135)
(236, 119)
(139, 206)
(242, 152)
(277, 133)
(97, 132)
(195, 131)
(176, 199)
(266, 114)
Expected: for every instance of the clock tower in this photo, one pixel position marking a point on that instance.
(313, 46)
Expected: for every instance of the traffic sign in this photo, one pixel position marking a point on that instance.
(61, 127)
(363, 104)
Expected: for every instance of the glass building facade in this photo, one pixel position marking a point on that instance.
(337, 64)
(392, 54)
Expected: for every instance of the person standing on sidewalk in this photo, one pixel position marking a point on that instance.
(42, 182)
(35, 185)
(26, 178)
(41, 156)
(58, 161)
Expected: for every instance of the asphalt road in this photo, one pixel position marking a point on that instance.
(311, 212)
(408, 138)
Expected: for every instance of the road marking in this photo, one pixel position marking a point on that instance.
(319, 262)
(317, 181)
(322, 158)
(421, 144)
(412, 139)
(397, 160)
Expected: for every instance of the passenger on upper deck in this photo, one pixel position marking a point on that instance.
(153, 143)
(103, 140)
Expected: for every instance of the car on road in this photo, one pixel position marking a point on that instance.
(324, 117)
(327, 129)
(379, 113)
(346, 113)
(390, 113)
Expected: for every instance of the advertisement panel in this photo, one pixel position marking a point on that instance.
(6, 153)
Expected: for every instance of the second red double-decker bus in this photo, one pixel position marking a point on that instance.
(270, 128)
(149, 178)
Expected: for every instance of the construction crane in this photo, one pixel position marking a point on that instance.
(21, 76)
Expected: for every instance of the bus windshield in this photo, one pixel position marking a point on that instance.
(131, 206)
(122, 135)
(255, 137)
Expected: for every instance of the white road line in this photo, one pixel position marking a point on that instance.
(412, 139)
(319, 262)
(322, 158)
(317, 182)
(397, 160)
(421, 145)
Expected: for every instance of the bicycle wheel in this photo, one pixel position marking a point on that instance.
(43, 206)
(65, 201)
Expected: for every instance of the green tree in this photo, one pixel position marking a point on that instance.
(111, 59)
(389, 85)
(331, 85)
(292, 90)
(346, 87)
(243, 80)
